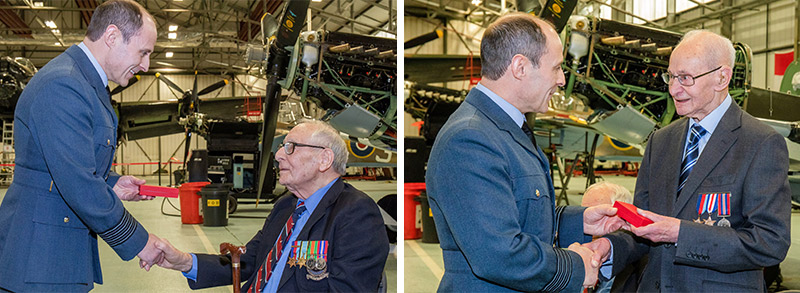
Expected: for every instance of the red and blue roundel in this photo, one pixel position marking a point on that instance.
(360, 150)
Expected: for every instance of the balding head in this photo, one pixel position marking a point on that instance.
(715, 49)
(604, 192)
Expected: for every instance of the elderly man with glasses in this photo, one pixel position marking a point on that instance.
(327, 236)
(714, 183)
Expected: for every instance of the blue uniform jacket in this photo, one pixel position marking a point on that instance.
(61, 198)
(492, 199)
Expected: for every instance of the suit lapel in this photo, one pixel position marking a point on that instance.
(716, 148)
(485, 105)
(92, 76)
(319, 212)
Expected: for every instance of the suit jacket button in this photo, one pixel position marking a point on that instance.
(108, 141)
(66, 219)
(537, 193)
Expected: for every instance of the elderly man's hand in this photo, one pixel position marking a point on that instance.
(663, 228)
(602, 248)
(601, 219)
(174, 259)
(127, 188)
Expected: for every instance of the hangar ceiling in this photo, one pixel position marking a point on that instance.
(211, 35)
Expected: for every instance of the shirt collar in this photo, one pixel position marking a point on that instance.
(710, 122)
(94, 63)
(312, 201)
(512, 111)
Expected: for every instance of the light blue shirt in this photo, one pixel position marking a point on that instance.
(96, 65)
(709, 123)
(310, 204)
(512, 111)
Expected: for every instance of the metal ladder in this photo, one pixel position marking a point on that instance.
(7, 158)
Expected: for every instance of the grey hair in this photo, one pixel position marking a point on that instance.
(618, 193)
(512, 34)
(323, 134)
(125, 14)
(719, 49)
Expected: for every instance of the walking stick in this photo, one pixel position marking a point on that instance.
(235, 252)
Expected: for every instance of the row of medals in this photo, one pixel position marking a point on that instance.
(722, 222)
(316, 266)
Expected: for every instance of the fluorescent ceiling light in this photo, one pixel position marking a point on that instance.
(57, 44)
(476, 2)
(50, 24)
(38, 4)
(172, 36)
(316, 0)
(167, 69)
(173, 27)
(168, 54)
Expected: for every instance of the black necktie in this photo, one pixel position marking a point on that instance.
(529, 133)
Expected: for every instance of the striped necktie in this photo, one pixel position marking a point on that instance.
(691, 155)
(275, 254)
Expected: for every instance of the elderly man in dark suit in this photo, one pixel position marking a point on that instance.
(489, 185)
(714, 182)
(342, 225)
(63, 195)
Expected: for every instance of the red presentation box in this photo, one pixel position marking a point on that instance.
(628, 213)
(150, 190)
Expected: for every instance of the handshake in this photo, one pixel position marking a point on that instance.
(593, 255)
(603, 219)
(160, 252)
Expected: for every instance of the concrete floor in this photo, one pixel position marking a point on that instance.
(121, 276)
(423, 265)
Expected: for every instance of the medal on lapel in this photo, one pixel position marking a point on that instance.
(706, 204)
(724, 210)
(711, 206)
(313, 255)
(701, 206)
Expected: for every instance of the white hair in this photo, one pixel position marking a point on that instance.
(325, 135)
(618, 193)
(719, 49)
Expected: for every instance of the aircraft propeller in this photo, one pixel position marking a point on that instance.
(190, 104)
(290, 25)
(120, 88)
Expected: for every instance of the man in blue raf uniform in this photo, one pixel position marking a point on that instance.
(326, 237)
(489, 185)
(63, 195)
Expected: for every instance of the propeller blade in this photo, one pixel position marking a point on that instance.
(168, 82)
(292, 23)
(186, 147)
(195, 100)
(213, 87)
(290, 26)
(131, 81)
(423, 39)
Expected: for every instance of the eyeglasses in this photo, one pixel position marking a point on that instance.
(288, 147)
(684, 79)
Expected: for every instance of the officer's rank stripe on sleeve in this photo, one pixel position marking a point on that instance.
(121, 232)
(563, 272)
